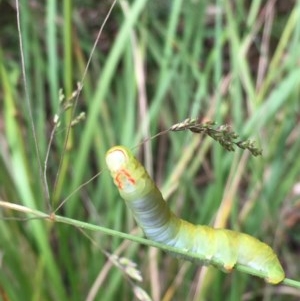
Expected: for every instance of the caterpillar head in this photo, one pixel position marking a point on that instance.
(117, 158)
(129, 175)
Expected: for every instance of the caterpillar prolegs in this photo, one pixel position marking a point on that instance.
(220, 247)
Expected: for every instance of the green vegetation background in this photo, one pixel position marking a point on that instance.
(155, 64)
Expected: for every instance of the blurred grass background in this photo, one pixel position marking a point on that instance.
(156, 63)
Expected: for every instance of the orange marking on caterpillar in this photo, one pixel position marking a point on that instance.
(127, 175)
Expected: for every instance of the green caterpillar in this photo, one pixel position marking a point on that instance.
(220, 247)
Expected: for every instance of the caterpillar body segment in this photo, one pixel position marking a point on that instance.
(220, 247)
